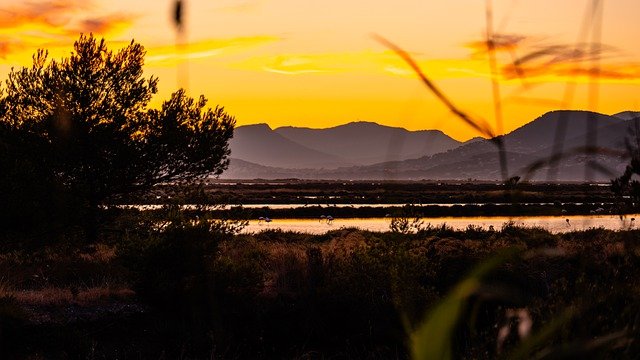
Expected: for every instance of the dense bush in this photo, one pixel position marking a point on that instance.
(364, 291)
(346, 293)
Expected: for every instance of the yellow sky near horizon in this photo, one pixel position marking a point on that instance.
(316, 64)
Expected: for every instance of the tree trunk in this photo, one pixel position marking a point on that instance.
(91, 222)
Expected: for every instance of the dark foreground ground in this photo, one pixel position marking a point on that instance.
(193, 290)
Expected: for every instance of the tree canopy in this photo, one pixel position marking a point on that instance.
(627, 186)
(89, 118)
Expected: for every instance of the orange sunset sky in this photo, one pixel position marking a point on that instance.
(316, 64)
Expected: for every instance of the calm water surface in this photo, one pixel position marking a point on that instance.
(355, 206)
(554, 224)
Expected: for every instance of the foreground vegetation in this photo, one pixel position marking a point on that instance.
(194, 289)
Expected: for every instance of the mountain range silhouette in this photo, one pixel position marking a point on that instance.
(366, 150)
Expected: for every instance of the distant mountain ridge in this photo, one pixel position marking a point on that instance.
(261, 145)
(541, 132)
(627, 115)
(366, 143)
(352, 144)
(478, 159)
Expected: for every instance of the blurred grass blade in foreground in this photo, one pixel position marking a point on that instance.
(433, 339)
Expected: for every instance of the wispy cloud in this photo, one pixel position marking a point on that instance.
(500, 42)
(105, 24)
(362, 62)
(48, 13)
(36, 24)
(298, 64)
(566, 61)
(169, 55)
(530, 58)
(400, 71)
(294, 65)
(612, 72)
(235, 6)
(538, 64)
(8, 46)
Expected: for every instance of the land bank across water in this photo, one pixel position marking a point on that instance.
(315, 193)
(366, 199)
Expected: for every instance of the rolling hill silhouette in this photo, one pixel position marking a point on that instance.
(478, 159)
(628, 115)
(261, 145)
(366, 143)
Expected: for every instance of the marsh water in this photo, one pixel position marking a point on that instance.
(554, 224)
(325, 205)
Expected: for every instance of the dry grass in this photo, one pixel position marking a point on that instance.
(5, 287)
(289, 266)
(286, 267)
(342, 247)
(101, 253)
(55, 296)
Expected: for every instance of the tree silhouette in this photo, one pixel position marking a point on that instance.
(627, 187)
(89, 115)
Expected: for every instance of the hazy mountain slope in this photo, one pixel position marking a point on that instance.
(526, 145)
(627, 115)
(368, 143)
(261, 145)
(479, 159)
(535, 138)
(541, 132)
(611, 137)
(473, 140)
(240, 169)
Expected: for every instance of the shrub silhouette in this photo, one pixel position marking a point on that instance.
(88, 117)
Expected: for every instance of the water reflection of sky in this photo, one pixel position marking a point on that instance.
(355, 206)
(554, 224)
